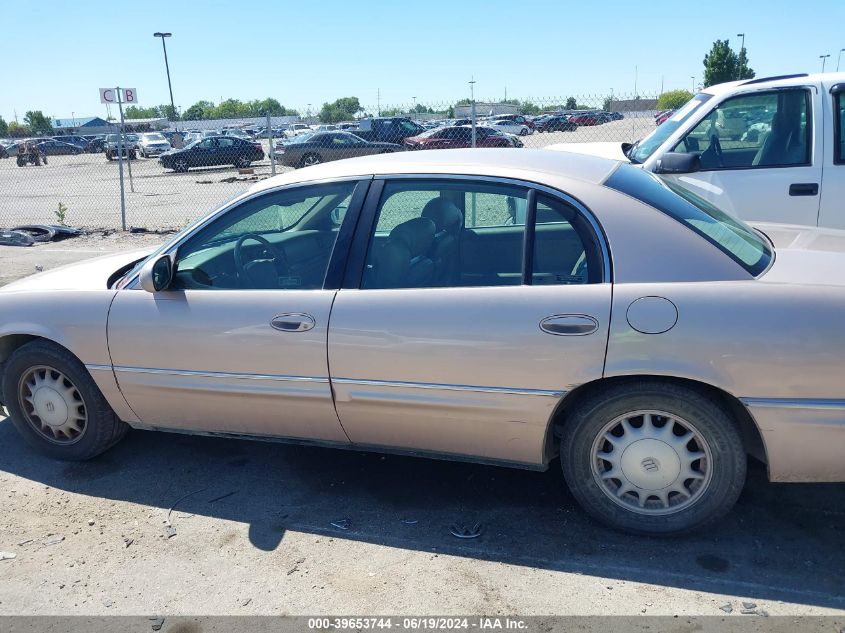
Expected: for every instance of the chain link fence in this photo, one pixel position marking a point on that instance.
(206, 162)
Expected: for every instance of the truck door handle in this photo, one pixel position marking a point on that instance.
(293, 322)
(804, 189)
(569, 325)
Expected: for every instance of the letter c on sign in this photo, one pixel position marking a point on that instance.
(108, 95)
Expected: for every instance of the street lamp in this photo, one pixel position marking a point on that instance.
(415, 104)
(167, 67)
(824, 59)
(839, 59)
(693, 83)
(741, 49)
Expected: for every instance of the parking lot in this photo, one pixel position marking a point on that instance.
(88, 184)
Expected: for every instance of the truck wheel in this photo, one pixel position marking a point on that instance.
(310, 159)
(56, 405)
(653, 458)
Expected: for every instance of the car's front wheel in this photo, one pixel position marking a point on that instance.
(653, 458)
(243, 162)
(180, 165)
(55, 404)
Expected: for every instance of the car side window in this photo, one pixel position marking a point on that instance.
(225, 143)
(206, 144)
(460, 233)
(769, 129)
(279, 240)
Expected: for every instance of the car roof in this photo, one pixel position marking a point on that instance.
(535, 165)
(779, 81)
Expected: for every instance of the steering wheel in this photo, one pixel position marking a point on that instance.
(262, 272)
(717, 149)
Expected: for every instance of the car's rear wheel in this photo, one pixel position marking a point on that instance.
(55, 404)
(310, 159)
(523, 131)
(653, 458)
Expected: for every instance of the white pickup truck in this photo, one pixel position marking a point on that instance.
(766, 150)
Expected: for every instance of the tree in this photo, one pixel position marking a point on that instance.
(37, 122)
(200, 110)
(137, 112)
(342, 109)
(530, 108)
(722, 64)
(16, 130)
(4, 128)
(673, 99)
(571, 104)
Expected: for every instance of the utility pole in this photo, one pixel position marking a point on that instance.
(635, 81)
(415, 107)
(693, 83)
(472, 107)
(741, 50)
(378, 101)
(167, 67)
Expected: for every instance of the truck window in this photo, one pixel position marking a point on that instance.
(770, 129)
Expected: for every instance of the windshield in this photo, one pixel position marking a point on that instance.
(644, 148)
(730, 235)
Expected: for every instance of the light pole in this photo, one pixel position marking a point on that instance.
(472, 106)
(308, 112)
(167, 67)
(824, 59)
(693, 83)
(415, 106)
(839, 58)
(741, 49)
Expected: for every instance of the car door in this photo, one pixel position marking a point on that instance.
(237, 343)
(759, 160)
(459, 326)
(831, 211)
(202, 154)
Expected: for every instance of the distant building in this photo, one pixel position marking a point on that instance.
(146, 125)
(632, 105)
(485, 109)
(83, 125)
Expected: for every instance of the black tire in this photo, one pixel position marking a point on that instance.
(242, 162)
(38, 232)
(711, 420)
(109, 156)
(21, 161)
(310, 156)
(180, 165)
(102, 427)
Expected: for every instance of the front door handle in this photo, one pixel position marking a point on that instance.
(569, 325)
(804, 189)
(293, 322)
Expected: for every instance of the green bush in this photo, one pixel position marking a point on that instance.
(673, 99)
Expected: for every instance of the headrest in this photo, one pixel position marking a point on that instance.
(417, 235)
(445, 215)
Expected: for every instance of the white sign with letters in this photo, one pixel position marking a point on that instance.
(127, 95)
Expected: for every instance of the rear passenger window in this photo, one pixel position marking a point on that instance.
(431, 234)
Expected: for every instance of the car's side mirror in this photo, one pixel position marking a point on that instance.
(678, 163)
(156, 274)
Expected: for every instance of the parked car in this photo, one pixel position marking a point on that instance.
(96, 145)
(588, 118)
(79, 141)
(213, 150)
(556, 124)
(615, 116)
(769, 149)
(306, 150)
(113, 145)
(236, 132)
(521, 119)
(295, 129)
(652, 341)
(58, 148)
(323, 128)
(663, 116)
(509, 127)
(456, 137)
(152, 144)
(387, 129)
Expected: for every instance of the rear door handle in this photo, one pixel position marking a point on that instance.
(804, 189)
(293, 322)
(569, 325)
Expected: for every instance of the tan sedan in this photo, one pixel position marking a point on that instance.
(504, 307)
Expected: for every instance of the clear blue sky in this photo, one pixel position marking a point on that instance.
(311, 52)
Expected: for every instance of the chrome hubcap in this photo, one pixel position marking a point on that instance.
(651, 462)
(52, 405)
